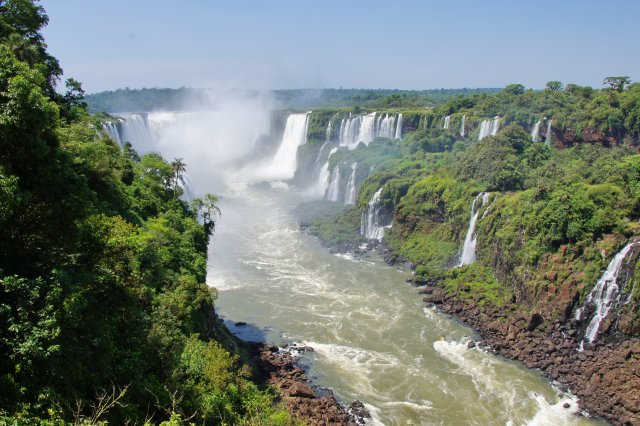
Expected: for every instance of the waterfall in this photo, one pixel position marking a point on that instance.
(135, 129)
(548, 138)
(387, 127)
(295, 134)
(489, 128)
(468, 254)
(447, 121)
(113, 130)
(605, 294)
(370, 226)
(535, 133)
(350, 191)
(398, 134)
(462, 126)
(323, 174)
(327, 136)
(365, 128)
(333, 191)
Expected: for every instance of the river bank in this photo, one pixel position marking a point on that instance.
(311, 404)
(605, 377)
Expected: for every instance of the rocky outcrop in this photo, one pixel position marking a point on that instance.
(310, 404)
(606, 377)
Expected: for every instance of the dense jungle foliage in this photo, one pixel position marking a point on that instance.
(105, 315)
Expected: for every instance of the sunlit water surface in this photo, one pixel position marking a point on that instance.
(374, 339)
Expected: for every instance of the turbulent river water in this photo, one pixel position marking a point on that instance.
(374, 339)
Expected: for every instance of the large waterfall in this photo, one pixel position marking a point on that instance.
(535, 132)
(350, 192)
(113, 130)
(462, 126)
(447, 122)
(295, 134)
(605, 294)
(370, 222)
(468, 253)
(364, 128)
(489, 128)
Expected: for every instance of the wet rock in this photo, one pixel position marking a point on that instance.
(240, 324)
(301, 390)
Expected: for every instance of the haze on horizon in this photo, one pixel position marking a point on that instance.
(284, 45)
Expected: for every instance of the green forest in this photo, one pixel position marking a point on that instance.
(105, 316)
(560, 206)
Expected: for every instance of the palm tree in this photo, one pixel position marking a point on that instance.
(179, 167)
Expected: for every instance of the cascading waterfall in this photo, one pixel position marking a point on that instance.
(135, 129)
(447, 122)
(398, 134)
(370, 226)
(535, 133)
(489, 128)
(323, 174)
(365, 128)
(295, 134)
(350, 191)
(462, 126)
(386, 127)
(548, 138)
(468, 254)
(333, 191)
(605, 294)
(113, 130)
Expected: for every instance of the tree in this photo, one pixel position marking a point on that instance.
(514, 89)
(208, 210)
(617, 83)
(554, 85)
(179, 167)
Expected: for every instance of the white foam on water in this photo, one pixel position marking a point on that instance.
(375, 419)
(552, 414)
(421, 406)
(360, 365)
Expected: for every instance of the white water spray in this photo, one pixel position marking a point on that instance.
(548, 138)
(350, 191)
(370, 225)
(462, 126)
(605, 294)
(333, 191)
(489, 128)
(535, 132)
(468, 254)
(447, 122)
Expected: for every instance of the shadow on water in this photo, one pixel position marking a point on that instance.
(247, 332)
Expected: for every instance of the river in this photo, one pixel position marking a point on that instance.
(373, 338)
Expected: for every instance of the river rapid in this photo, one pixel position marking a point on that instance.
(373, 338)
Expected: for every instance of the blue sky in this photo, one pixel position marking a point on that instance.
(351, 44)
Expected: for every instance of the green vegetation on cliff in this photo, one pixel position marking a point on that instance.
(557, 212)
(105, 315)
